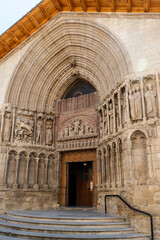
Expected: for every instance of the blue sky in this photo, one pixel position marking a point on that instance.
(13, 10)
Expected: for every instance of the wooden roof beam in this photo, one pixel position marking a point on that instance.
(20, 25)
(146, 5)
(33, 20)
(98, 6)
(84, 5)
(70, 5)
(45, 13)
(113, 5)
(129, 5)
(5, 46)
(11, 34)
(57, 4)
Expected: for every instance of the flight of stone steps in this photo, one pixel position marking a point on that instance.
(65, 225)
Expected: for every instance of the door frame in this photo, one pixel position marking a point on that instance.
(77, 156)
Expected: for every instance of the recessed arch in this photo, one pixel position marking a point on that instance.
(44, 72)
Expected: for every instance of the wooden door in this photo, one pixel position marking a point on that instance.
(84, 178)
(84, 182)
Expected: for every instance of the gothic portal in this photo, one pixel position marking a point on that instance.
(79, 119)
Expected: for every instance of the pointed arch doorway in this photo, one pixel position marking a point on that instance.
(78, 179)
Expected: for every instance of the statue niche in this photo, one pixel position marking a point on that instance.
(11, 168)
(139, 157)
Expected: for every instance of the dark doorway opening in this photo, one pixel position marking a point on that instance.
(80, 185)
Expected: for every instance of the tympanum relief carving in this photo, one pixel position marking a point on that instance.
(77, 128)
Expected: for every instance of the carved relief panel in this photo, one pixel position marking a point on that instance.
(24, 128)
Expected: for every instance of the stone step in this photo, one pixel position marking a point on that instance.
(65, 230)
(106, 218)
(52, 223)
(34, 235)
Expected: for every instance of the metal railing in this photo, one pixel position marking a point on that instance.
(134, 209)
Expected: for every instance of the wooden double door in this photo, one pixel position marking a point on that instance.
(78, 179)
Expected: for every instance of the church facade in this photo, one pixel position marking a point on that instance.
(80, 116)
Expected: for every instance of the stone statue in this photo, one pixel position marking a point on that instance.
(117, 116)
(7, 129)
(150, 101)
(124, 109)
(105, 122)
(39, 133)
(111, 117)
(138, 104)
(135, 104)
(77, 126)
(49, 135)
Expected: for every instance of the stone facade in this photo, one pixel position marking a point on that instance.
(120, 120)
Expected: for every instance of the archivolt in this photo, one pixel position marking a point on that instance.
(44, 73)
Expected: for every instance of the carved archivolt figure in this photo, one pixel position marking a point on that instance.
(150, 101)
(7, 130)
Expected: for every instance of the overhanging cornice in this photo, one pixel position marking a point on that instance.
(47, 9)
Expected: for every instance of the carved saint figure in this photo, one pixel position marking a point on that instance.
(39, 133)
(105, 122)
(150, 101)
(49, 135)
(111, 117)
(117, 116)
(77, 126)
(135, 104)
(7, 130)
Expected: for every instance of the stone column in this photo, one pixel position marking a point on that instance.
(53, 133)
(3, 175)
(25, 185)
(158, 91)
(143, 103)
(114, 115)
(127, 104)
(113, 169)
(13, 123)
(2, 126)
(45, 186)
(119, 108)
(44, 131)
(102, 170)
(36, 174)
(99, 169)
(35, 129)
(15, 185)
